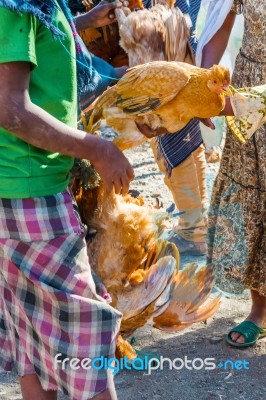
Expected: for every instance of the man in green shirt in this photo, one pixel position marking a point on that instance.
(48, 302)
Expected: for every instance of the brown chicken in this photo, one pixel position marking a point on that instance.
(158, 33)
(104, 42)
(160, 94)
(140, 271)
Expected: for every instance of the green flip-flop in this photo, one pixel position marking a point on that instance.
(251, 332)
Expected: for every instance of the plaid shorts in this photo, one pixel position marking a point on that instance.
(48, 301)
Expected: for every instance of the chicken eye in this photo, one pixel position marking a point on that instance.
(215, 82)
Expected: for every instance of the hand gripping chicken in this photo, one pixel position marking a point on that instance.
(159, 94)
(141, 35)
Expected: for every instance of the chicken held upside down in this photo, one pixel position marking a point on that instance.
(159, 33)
(140, 271)
(160, 94)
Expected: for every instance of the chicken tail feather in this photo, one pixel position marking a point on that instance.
(133, 300)
(161, 249)
(177, 33)
(189, 301)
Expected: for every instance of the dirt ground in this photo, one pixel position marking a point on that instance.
(246, 381)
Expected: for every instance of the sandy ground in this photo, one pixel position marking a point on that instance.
(202, 340)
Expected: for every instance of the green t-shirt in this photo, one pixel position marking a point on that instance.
(26, 171)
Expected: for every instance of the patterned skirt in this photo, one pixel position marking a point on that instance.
(49, 307)
(237, 217)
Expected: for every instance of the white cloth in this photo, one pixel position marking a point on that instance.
(249, 105)
(216, 14)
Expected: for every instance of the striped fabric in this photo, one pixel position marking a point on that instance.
(48, 301)
(177, 147)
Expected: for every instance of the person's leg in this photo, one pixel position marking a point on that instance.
(257, 314)
(31, 389)
(189, 190)
(187, 184)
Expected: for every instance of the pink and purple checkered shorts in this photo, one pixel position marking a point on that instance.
(48, 299)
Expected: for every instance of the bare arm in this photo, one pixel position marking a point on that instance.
(228, 110)
(213, 51)
(32, 124)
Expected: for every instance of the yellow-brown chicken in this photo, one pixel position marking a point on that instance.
(159, 94)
